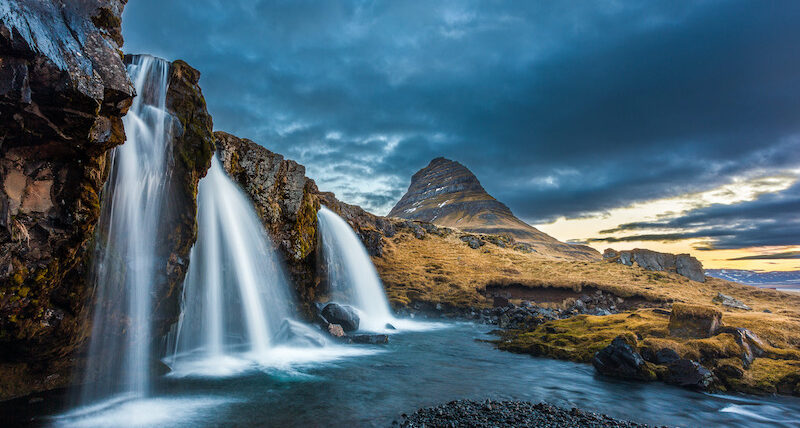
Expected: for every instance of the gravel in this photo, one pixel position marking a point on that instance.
(489, 413)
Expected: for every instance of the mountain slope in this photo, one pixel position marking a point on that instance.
(448, 194)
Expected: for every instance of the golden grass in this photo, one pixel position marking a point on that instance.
(446, 270)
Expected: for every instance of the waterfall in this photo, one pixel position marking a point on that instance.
(237, 305)
(351, 275)
(125, 263)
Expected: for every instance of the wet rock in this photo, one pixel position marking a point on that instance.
(389, 327)
(343, 315)
(369, 339)
(729, 301)
(335, 330)
(693, 321)
(688, 373)
(619, 359)
(63, 92)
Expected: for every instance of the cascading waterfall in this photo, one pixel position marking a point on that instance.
(236, 299)
(351, 275)
(125, 262)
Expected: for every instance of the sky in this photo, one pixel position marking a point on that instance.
(669, 125)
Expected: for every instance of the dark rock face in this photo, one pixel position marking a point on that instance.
(619, 359)
(682, 264)
(192, 149)
(446, 193)
(63, 92)
(688, 373)
(343, 315)
(286, 202)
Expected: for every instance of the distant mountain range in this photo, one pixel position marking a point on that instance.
(778, 279)
(448, 194)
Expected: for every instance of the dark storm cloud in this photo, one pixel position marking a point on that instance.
(560, 108)
(772, 219)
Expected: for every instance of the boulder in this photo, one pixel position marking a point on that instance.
(473, 241)
(729, 301)
(693, 321)
(620, 359)
(389, 327)
(688, 373)
(344, 315)
(369, 339)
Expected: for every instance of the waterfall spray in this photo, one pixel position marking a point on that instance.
(351, 274)
(124, 268)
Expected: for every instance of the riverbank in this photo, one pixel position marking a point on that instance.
(491, 413)
(570, 310)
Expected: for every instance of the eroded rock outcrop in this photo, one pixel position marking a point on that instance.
(192, 149)
(287, 203)
(285, 200)
(448, 194)
(682, 264)
(63, 92)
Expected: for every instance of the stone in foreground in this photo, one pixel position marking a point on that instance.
(343, 315)
(619, 359)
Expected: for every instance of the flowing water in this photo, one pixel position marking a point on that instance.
(352, 277)
(419, 369)
(125, 264)
(237, 306)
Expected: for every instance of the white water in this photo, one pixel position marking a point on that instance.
(237, 306)
(124, 266)
(352, 277)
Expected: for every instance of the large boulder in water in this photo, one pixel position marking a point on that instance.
(344, 315)
(620, 359)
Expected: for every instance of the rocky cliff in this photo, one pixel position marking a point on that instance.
(682, 264)
(287, 203)
(192, 149)
(63, 92)
(446, 193)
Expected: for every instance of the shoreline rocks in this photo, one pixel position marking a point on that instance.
(492, 413)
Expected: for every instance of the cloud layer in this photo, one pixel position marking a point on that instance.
(560, 108)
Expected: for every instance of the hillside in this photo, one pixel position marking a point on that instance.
(448, 194)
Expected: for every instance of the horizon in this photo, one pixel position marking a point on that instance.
(620, 126)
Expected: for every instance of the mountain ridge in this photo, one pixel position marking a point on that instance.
(448, 194)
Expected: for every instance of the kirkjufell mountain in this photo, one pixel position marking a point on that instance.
(448, 194)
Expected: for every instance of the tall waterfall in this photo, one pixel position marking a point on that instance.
(124, 266)
(236, 295)
(351, 274)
